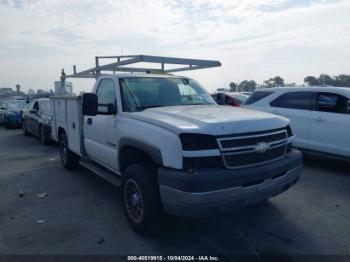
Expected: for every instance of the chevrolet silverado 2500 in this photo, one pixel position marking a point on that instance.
(170, 146)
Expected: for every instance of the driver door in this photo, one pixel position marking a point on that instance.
(31, 116)
(100, 131)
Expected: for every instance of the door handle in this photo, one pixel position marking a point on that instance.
(89, 121)
(276, 113)
(319, 119)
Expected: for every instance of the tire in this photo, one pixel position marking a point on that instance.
(7, 125)
(43, 138)
(24, 129)
(69, 159)
(141, 199)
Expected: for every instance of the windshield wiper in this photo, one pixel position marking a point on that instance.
(195, 104)
(146, 107)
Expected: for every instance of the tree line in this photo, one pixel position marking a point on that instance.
(6, 92)
(342, 80)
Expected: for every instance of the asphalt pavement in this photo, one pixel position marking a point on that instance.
(81, 214)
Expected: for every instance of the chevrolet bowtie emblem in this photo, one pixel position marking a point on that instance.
(261, 147)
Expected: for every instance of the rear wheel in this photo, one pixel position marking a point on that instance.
(43, 138)
(141, 198)
(68, 158)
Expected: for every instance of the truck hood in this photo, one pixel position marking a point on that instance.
(210, 119)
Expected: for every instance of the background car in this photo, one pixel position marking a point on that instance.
(230, 98)
(11, 113)
(320, 116)
(37, 119)
(2, 109)
(246, 93)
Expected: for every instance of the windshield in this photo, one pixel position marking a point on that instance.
(139, 93)
(16, 105)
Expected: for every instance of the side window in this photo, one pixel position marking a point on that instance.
(256, 96)
(36, 106)
(333, 103)
(294, 100)
(106, 94)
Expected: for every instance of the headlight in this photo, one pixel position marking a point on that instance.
(289, 131)
(197, 142)
(290, 140)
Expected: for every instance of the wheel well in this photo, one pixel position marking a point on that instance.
(129, 155)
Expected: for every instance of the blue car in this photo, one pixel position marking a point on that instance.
(11, 113)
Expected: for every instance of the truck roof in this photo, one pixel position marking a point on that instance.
(307, 88)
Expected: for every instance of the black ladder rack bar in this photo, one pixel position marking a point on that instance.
(122, 61)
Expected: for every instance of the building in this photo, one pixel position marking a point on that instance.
(65, 90)
(31, 92)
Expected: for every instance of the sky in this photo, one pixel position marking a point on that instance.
(253, 39)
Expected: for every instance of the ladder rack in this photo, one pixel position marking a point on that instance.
(122, 62)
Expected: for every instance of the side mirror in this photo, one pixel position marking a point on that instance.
(111, 108)
(89, 104)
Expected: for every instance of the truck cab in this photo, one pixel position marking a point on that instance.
(173, 148)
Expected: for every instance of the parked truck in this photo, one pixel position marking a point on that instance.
(170, 147)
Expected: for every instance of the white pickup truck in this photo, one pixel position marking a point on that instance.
(171, 147)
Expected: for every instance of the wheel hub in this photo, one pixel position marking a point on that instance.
(133, 200)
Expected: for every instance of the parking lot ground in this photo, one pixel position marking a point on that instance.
(82, 214)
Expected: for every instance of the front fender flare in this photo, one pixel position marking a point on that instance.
(153, 151)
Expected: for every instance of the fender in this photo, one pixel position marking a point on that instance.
(151, 150)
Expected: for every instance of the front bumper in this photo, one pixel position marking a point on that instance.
(218, 191)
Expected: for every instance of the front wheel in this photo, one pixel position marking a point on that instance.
(69, 159)
(43, 138)
(24, 128)
(141, 198)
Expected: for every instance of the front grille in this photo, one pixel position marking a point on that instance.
(249, 141)
(253, 158)
(253, 149)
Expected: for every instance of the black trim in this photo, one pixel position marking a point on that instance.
(195, 163)
(254, 133)
(151, 150)
(216, 179)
